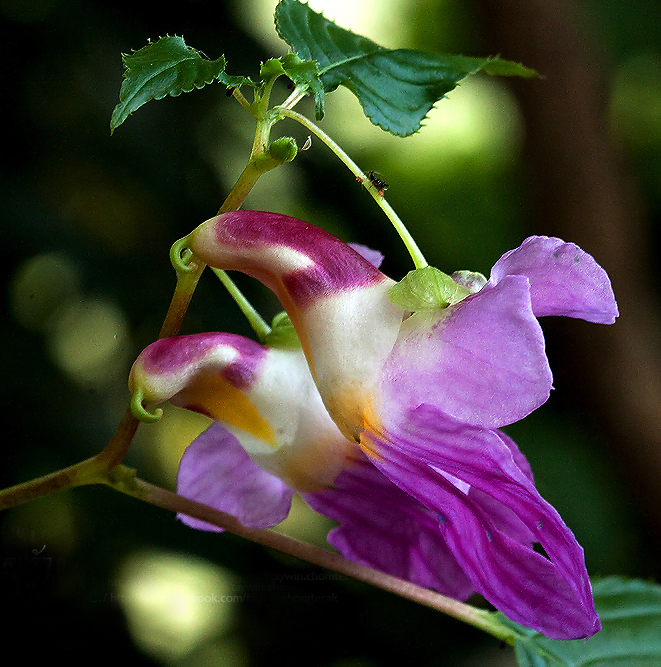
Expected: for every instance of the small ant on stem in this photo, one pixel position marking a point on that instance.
(376, 180)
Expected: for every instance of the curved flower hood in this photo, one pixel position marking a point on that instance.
(481, 361)
(337, 300)
(265, 396)
(403, 452)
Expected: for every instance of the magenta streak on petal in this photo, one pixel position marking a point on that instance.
(333, 264)
(171, 355)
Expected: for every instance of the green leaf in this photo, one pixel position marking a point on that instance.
(396, 88)
(630, 612)
(427, 288)
(166, 67)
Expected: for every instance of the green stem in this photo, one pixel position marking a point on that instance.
(187, 280)
(265, 120)
(478, 618)
(295, 97)
(257, 322)
(258, 165)
(80, 474)
(412, 247)
(240, 98)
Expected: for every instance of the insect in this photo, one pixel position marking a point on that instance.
(377, 181)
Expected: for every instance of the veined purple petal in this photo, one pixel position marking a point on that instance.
(564, 280)
(385, 528)
(216, 471)
(482, 361)
(552, 595)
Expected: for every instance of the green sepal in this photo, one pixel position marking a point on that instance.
(427, 288)
(282, 333)
(166, 67)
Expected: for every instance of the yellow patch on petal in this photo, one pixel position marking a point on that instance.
(217, 398)
(315, 468)
(372, 424)
(366, 444)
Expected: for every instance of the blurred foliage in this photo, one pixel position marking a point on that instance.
(87, 223)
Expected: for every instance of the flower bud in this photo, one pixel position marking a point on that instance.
(284, 149)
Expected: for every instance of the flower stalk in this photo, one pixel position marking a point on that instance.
(99, 469)
(478, 618)
(121, 478)
(377, 194)
(256, 321)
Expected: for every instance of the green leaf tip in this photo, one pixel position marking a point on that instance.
(427, 288)
(395, 87)
(166, 67)
(630, 613)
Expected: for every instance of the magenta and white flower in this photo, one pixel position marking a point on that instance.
(386, 420)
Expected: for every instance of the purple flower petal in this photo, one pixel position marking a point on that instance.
(385, 528)
(265, 397)
(564, 280)
(215, 470)
(374, 257)
(551, 595)
(482, 361)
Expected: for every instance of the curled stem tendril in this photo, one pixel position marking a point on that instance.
(140, 411)
(181, 256)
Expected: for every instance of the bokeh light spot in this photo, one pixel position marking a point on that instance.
(88, 341)
(175, 603)
(40, 286)
(479, 122)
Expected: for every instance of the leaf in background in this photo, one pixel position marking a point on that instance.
(166, 67)
(396, 88)
(630, 612)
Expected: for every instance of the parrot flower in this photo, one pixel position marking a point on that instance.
(386, 419)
